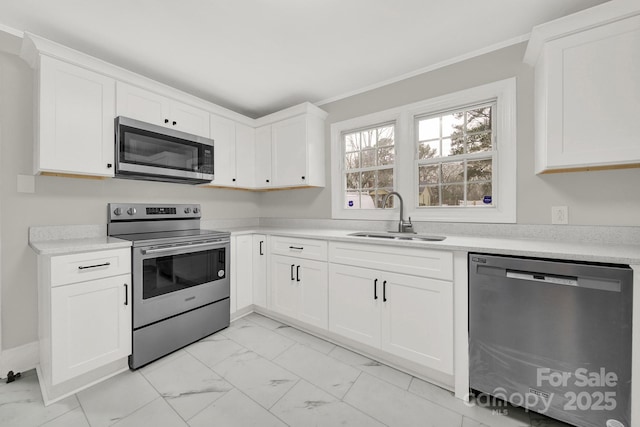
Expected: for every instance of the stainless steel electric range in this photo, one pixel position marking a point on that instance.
(180, 284)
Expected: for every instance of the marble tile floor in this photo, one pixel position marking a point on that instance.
(257, 372)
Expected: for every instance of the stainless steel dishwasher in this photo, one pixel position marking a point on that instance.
(552, 336)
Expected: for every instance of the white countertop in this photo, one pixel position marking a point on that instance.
(68, 246)
(577, 251)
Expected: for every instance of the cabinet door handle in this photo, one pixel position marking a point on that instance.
(292, 278)
(296, 247)
(375, 289)
(297, 273)
(261, 242)
(166, 120)
(175, 123)
(384, 291)
(126, 294)
(267, 180)
(84, 267)
(109, 165)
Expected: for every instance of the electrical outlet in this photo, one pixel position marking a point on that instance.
(559, 215)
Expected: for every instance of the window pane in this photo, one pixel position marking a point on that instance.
(368, 158)
(479, 119)
(351, 142)
(368, 139)
(386, 156)
(480, 194)
(385, 178)
(429, 129)
(456, 145)
(479, 170)
(453, 195)
(352, 161)
(479, 142)
(452, 172)
(368, 179)
(352, 200)
(385, 136)
(452, 123)
(429, 196)
(446, 147)
(429, 174)
(353, 180)
(428, 150)
(380, 195)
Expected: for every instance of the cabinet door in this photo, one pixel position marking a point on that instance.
(223, 132)
(592, 97)
(260, 270)
(245, 156)
(289, 156)
(187, 118)
(284, 288)
(140, 104)
(355, 295)
(312, 308)
(243, 274)
(263, 157)
(417, 320)
(90, 325)
(77, 109)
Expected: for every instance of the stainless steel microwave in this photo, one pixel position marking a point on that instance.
(152, 152)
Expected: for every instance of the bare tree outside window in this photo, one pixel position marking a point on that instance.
(455, 158)
(369, 159)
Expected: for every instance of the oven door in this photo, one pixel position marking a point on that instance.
(170, 280)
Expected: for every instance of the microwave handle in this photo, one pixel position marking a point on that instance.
(177, 248)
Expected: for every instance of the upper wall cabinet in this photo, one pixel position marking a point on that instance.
(234, 146)
(74, 120)
(296, 148)
(141, 104)
(587, 94)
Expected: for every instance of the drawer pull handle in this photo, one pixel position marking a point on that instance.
(375, 289)
(84, 267)
(296, 247)
(126, 294)
(384, 291)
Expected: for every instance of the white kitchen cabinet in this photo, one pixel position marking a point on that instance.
(75, 120)
(260, 270)
(586, 89)
(84, 325)
(141, 104)
(263, 157)
(90, 326)
(234, 147)
(299, 289)
(408, 316)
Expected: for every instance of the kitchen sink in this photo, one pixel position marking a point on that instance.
(398, 236)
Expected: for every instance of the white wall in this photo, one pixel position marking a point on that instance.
(593, 198)
(64, 201)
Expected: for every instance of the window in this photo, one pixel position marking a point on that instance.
(369, 157)
(452, 158)
(455, 158)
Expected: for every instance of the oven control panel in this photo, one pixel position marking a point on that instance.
(140, 211)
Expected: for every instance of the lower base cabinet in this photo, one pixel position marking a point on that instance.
(408, 316)
(90, 326)
(299, 289)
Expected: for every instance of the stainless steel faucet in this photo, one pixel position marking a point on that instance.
(403, 226)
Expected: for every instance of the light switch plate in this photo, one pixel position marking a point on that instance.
(559, 215)
(26, 184)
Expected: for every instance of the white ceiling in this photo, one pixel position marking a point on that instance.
(259, 56)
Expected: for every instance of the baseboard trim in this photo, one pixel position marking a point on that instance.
(19, 359)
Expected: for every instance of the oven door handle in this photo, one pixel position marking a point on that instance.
(211, 245)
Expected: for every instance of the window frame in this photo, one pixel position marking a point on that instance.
(406, 163)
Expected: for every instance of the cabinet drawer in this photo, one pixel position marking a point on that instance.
(81, 267)
(414, 261)
(300, 248)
